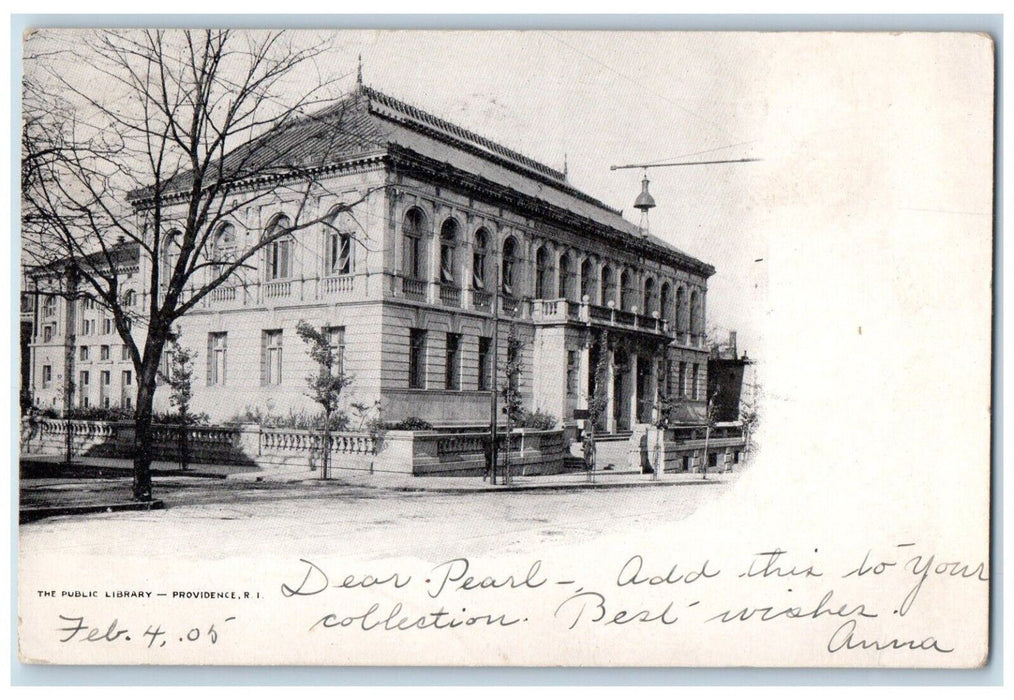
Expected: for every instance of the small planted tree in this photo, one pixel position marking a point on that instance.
(325, 383)
(510, 391)
(180, 380)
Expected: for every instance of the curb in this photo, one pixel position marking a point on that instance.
(88, 469)
(31, 514)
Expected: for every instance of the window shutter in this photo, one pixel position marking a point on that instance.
(225, 356)
(211, 355)
(278, 379)
(264, 358)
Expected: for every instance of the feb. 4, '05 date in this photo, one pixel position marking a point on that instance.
(78, 629)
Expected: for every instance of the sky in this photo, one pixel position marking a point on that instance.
(591, 100)
(846, 130)
(594, 100)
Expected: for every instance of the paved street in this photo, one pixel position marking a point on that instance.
(230, 517)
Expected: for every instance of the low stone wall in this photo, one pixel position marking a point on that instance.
(683, 447)
(458, 451)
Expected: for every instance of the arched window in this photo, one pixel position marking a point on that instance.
(338, 239)
(479, 259)
(279, 250)
(649, 297)
(169, 254)
(543, 281)
(49, 306)
(413, 229)
(681, 310)
(223, 250)
(448, 244)
(510, 260)
(588, 280)
(695, 313)
(626, 291)
(566, 287)
(608, 286)
(664, 302)
(130, 298)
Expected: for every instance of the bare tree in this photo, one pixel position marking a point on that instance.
(150, 141)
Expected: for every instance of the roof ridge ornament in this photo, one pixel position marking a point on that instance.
(359, 72)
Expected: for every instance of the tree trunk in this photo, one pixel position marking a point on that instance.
(142, 437)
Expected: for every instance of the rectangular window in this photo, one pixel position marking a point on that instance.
(339, 253)
(104, 352)
(107, 326)
(681, 383)
(83, 388)
(693, 382)
(217, 343)
(280, 259)
(47, 375)
(126, 381)
(47, 334)
(336, 341)
(271, 360)
(667, 369)
(84, 353)
(417, 359)
(452, 368)
(104, 381)
(572, 371)
(165, 373)
(124, 353)
(485, 360)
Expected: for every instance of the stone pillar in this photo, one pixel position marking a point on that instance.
(433, 255)
(653, 388)
(584, 381)
(632, 383)
(611, 397)
(248, 443)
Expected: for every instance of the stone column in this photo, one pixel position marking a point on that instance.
(433, 255)
(611, 397)
(632, 373)
(584, 381)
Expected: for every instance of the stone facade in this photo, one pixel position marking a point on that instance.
(452, 231)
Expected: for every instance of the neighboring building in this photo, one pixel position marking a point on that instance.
(726, 379)
(407, 284)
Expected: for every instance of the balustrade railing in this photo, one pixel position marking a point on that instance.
(338, 285)
(450, 295)
(481, 300)
(275, 290)
(413, 289)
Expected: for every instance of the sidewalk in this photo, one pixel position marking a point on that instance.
(51, 466)
(95, 485)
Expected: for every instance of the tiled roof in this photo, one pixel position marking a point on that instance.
(368, 122)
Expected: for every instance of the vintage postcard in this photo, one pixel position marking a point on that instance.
(520, 348)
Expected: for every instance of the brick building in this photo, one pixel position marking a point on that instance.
(453, 230)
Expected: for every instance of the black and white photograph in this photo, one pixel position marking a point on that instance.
(504, 348)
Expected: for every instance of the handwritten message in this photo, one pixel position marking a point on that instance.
(669, 594)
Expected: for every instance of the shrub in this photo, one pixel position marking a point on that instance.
(302, 420)
(97, 413)
(538, 420)
(411, 423)
(173, 418)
